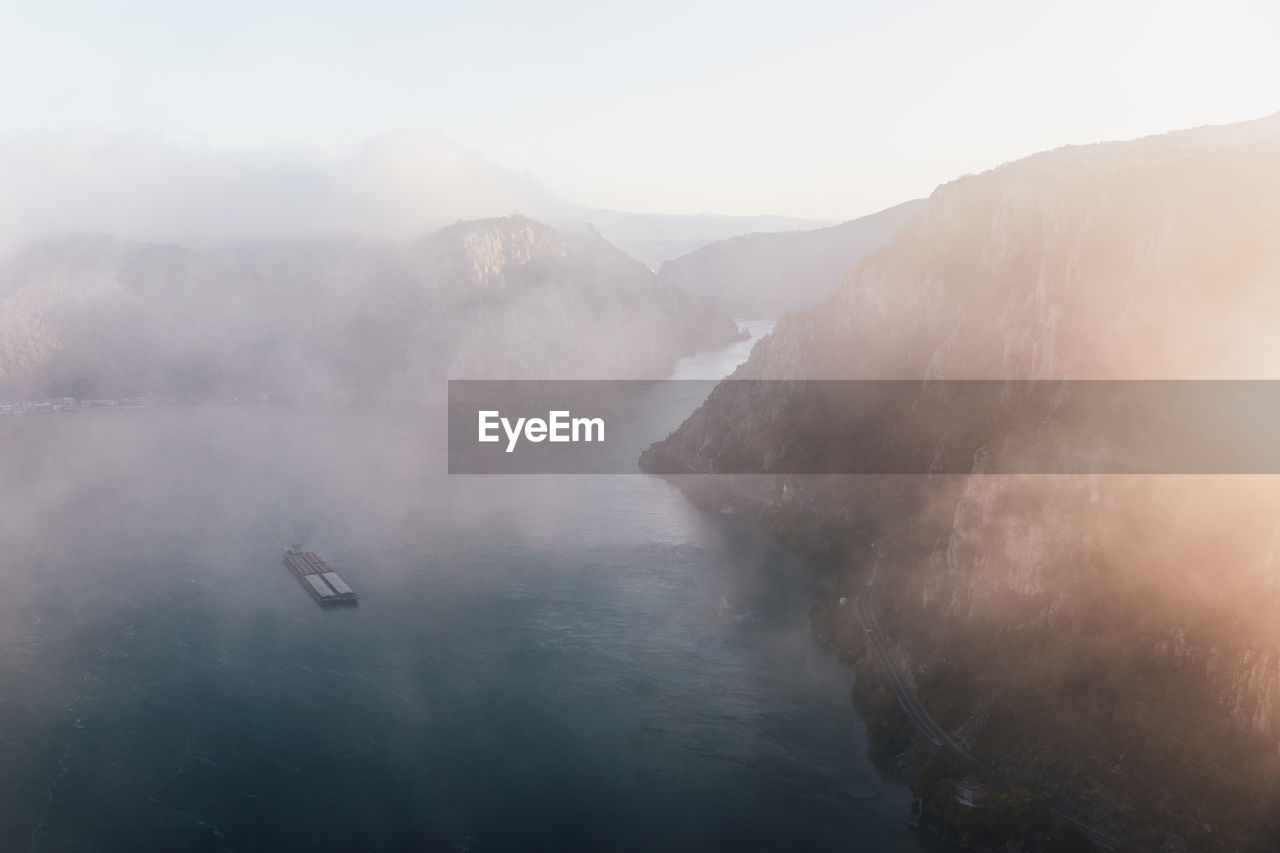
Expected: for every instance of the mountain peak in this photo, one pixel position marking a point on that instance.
(481, 250)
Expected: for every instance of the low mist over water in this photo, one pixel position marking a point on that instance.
(535, 663)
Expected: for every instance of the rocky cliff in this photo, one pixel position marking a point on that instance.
(1110, 640)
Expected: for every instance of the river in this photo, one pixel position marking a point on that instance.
(575, 663)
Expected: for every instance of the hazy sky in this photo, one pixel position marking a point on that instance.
(825, 109)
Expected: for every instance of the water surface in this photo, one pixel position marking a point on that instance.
(574, 663)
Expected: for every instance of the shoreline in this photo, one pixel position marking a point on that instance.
(902, 751)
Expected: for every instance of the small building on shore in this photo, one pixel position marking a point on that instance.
(971, 791)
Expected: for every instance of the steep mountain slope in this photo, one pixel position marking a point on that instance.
(95, 316)
(767, 275)
(1108, 640)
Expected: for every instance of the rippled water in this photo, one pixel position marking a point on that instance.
(581, 663)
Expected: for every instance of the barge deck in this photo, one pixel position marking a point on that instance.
(318, 578)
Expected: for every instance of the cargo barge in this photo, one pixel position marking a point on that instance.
(321, 581)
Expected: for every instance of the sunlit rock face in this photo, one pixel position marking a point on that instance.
(93, 316)
(1090, 622)
(1149, 259)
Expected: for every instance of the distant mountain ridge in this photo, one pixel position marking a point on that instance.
(655, 238)
(768, 275)
(390, 187)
